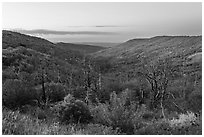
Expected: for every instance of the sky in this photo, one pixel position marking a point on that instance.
(102, 21)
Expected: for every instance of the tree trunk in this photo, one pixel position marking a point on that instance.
(99, 82)
(161, 103)
(43, 88)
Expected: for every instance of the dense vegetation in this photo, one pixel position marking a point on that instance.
(84, 49)
(129, 89)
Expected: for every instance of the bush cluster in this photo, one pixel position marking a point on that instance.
(16, 93)
(72, 110)
(15, 123)
(194, 102)
(56, 92)
(183, 120)
(119, 113)
(186, 124)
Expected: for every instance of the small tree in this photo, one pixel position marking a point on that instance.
(73, 110)
(90, 82)
(16, 93)
(42, 76)
(158, 74)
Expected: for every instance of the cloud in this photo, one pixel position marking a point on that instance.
(96, 26)
(54, 32)
(107, 26)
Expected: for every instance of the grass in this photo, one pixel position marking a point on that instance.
(113, 118)
(118, 114)
(186, 124)
(15, 123)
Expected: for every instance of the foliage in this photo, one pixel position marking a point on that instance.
(15, 123)
(35, 111)
(56, 92)
(101, 114)
(183, 120)
(194, 102)
(114, 87)
(119, 113)
(186, 124)
(103, 95)
(96, 129)
(102, 65)
(16, 94)
(118, 98)
(79, 93)
(73, 110)
(8, 74)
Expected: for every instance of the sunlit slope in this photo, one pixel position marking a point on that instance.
(161, 46)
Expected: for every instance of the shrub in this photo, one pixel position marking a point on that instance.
(79, 93)
(187, 124)
(40, 114)
(138, 91)
(97, 129)
(103, 95)
(74, 111)
(17, 94)
(101, 114)
(118, 114)
(8, 74)
(69, 99)
(15, 123)
(194, 102)
(148, 116)
(183, 120)
(102, 64)
(56, 92)
(114, 86)
(154, 128)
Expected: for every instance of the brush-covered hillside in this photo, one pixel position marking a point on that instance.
(172, 63)
(39, 63)
(15, 40)
(84, 49)
(160, 46)
(182, 50)
(140, 87)
(66, 51)
(101, 44)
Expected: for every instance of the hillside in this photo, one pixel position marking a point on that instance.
(14, 39)
(178, 48)
(82, 48)
(72, 53)
(27, 54)
(101, 44)
(160, 46)
(142, 86)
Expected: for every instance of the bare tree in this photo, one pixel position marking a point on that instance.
(158, 74)
(42, 76)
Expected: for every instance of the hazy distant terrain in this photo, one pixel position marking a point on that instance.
(101, 44)
(109, 68)
(161, 46)
(149, 86)
(80, 47)
(184, 51)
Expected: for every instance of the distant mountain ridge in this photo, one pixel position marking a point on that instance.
(100, 44)
(86, 49)
(182, 50)
(159, 46)
(15, 39)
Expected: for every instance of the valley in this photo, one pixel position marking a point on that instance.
(139, 87)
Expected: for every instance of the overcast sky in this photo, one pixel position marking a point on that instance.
(102, 22)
